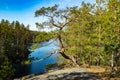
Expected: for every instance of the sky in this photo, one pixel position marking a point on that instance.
(23, 10)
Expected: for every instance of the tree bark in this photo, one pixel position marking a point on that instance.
(62, 51)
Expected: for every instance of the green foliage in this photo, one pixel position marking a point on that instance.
(25, 62)
(45, 11)
(44, 36)
(6, 70)
(34, 46)
(92, 36)
(14, 38)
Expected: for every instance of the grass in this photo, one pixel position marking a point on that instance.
(105, 75)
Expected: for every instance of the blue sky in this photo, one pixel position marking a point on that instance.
(23, 10)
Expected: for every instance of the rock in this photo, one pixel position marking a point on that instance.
(67, 74)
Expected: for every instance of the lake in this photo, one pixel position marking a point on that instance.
(39, 66)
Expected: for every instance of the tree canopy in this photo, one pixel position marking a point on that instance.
(88, 34)
(14, 39)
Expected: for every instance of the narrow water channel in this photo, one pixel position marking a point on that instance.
(39, 66)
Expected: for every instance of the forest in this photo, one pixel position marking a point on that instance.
(88, 35)
(14, 38)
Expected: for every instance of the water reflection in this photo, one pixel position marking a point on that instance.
(39, 66)
(45, 49)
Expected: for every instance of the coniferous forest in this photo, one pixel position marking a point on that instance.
(88, 35)
(14, 38)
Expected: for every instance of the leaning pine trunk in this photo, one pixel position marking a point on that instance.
(62, 52)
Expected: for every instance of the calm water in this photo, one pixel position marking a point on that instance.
(43, 51)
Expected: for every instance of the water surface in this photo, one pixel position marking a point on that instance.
(38, 65)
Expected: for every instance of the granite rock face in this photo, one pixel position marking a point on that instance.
(67, 74)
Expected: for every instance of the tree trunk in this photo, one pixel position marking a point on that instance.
(112, 60)
(62, 52)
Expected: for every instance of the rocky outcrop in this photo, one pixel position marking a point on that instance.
(67, 74)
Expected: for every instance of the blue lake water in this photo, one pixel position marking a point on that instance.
(39, 66)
